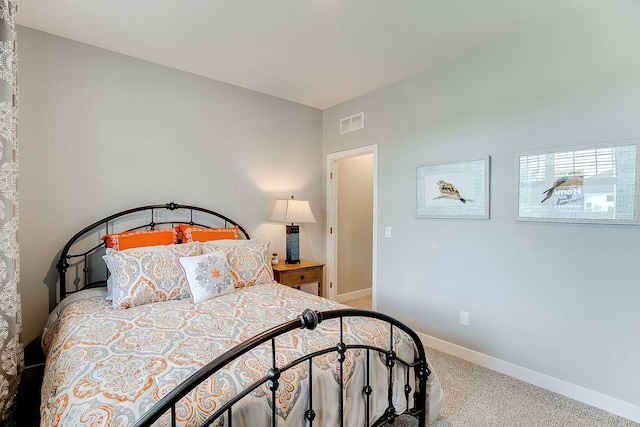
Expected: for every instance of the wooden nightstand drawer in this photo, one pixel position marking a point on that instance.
(303, 273)
(295, 278)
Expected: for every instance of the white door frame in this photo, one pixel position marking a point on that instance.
(332, 217)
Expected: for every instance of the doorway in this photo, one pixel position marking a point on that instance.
(352, 221)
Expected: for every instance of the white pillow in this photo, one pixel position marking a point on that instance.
(207, 275)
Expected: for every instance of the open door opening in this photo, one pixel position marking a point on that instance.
(351, 213)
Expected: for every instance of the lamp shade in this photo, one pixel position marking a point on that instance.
(292, 211)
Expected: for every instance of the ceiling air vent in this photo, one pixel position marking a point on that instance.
(351, 123)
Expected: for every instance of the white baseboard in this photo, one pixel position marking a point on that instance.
(573, 391)
(354, 295)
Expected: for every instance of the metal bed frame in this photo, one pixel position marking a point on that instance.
(309, 320)
(416, 370)
(147, 214)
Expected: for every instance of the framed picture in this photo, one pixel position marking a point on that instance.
(591, 184)
(453, 190)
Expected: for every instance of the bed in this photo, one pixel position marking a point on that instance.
(193, 331)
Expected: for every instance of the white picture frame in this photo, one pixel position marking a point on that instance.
(587, 184)
(453, 190)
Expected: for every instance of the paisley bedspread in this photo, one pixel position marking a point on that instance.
(106, 366)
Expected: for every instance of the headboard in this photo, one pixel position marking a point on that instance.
(80, 265)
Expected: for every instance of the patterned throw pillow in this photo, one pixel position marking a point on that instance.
(215, 245)
(248, 265)
(207, 275)
(146, 276)
(192, 233)
(139, 238)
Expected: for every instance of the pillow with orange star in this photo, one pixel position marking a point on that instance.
(207, 275)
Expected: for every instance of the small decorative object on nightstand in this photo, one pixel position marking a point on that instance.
(295, 275)
(274, 258)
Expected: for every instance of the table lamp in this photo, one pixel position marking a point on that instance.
(290, 212)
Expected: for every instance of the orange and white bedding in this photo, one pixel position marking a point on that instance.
(106, 367)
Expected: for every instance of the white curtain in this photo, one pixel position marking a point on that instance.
(11, 354)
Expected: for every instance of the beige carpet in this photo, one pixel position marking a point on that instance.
(479, 397)
(476, 396)
(363, 303)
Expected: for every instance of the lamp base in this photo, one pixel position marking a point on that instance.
(293, 244)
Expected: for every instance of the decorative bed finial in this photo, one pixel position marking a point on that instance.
(309, 319)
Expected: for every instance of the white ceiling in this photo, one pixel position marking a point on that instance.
(314, 52)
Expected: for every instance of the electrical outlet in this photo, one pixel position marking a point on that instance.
(464, 318)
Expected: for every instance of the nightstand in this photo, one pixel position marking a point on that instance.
(303, 273)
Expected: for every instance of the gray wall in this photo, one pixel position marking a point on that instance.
(102, 132)
(573, 83)
(355, 222)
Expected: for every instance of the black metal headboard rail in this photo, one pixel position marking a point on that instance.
(146, 217)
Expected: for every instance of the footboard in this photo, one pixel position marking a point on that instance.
(417, 372)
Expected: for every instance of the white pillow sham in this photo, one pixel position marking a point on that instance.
(207, 275)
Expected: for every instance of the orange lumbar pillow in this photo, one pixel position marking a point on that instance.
(192, 233)
(140, 238)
